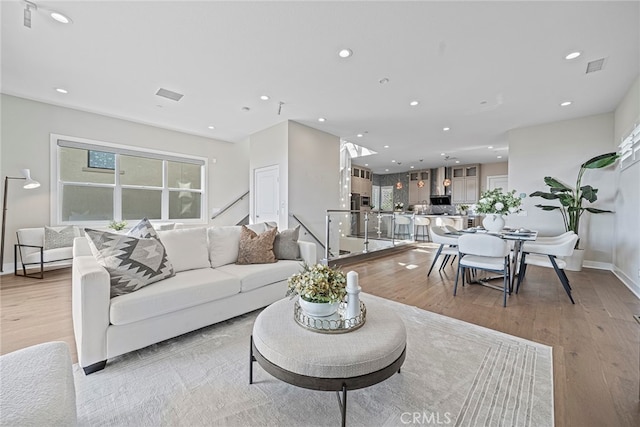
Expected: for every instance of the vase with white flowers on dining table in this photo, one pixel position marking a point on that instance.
(495, 204)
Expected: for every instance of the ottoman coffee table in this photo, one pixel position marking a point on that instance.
(329, 362)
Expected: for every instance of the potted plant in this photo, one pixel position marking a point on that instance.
(117, 226)
(494, 204)
(399, 206)
(320, 289)
(572, 198)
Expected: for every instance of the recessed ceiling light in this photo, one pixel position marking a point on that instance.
(442, 154)
(359, 135)
(386, 170)
(211, 127)
(573, 55)
(446, 129)
(264, 97)
(386, 146)
(490, 147)
(414, 103)
(366, 164)
(499, 157)
(393, 161)
(457, 161)
(246, 109)
(61, 90)
(322, 119)
(383, 81)
(412, 167)
(565, 103)
(345, 53)
(61, 18)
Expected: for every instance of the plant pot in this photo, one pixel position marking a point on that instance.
(574, 262)
(493, 222)
(318, 309)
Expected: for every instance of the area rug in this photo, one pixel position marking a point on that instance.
(455, 373)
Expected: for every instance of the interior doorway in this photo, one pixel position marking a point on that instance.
(266, 194)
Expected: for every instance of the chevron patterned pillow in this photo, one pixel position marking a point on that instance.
(131, 262)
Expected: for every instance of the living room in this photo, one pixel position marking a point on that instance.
(308, 154)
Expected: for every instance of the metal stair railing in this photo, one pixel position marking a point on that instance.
(308, 230)
(229, 205)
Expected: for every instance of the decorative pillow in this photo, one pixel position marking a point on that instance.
(256, 248)
(131, 262)
(223, 244)
(59, 238)
(186, 247)
(143, 229)
(285, 245)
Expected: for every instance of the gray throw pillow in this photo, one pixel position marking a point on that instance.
(285, 245)
(132, 262)
(61, 238)
(143, 229)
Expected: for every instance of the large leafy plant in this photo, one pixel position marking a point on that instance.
(571, 199)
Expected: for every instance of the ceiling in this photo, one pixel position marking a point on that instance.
(479, 68)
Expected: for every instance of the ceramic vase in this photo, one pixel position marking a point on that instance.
(493, 222)
(318, 309)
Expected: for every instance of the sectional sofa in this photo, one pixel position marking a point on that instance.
(208, 287)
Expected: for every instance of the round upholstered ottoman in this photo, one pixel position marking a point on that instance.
(331, 362)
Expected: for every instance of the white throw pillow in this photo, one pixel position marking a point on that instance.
(186, 248)
(224, 243)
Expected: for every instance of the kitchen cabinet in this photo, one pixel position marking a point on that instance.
(361, 181)
(465, 184)
(419, 187)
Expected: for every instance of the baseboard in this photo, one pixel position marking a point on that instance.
(628, 282)
(598, 265)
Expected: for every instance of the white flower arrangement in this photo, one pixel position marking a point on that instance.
(399, 206)
(319, 283)
(496, 202)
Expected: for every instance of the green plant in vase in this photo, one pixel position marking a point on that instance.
(571, 199)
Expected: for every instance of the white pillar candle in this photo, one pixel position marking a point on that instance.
(353, 299)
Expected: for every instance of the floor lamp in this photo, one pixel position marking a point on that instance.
(29, 184)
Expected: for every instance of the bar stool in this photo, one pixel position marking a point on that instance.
(402, 224)
(422, 221)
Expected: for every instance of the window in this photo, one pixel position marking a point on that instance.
(99, 182)
(630, 148)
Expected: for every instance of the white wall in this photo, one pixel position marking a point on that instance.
(314, 176)
(558, 149)
(26, 126)
(626, 255)
(268, 147)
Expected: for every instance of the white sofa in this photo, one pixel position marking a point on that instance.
(197, 296)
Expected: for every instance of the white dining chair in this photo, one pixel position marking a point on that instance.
(484, 252)
(422, 222)
(448, 247)
(548, 255)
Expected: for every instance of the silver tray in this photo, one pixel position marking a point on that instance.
(334, 324)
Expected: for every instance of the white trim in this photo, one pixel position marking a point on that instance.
(597, 265)
(626, 280)
(55, 211)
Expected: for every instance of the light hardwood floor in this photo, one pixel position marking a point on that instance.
(596, 342)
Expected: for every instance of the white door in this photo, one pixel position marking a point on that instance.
(498, 181)
(266, 194)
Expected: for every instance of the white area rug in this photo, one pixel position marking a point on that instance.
(455, 373)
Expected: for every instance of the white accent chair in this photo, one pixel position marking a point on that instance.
(422, 222)
(546, 253)
(30, 252)
(448, 246)
(484, 252)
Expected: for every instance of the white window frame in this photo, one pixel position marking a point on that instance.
(84, 143)
(630, 148)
